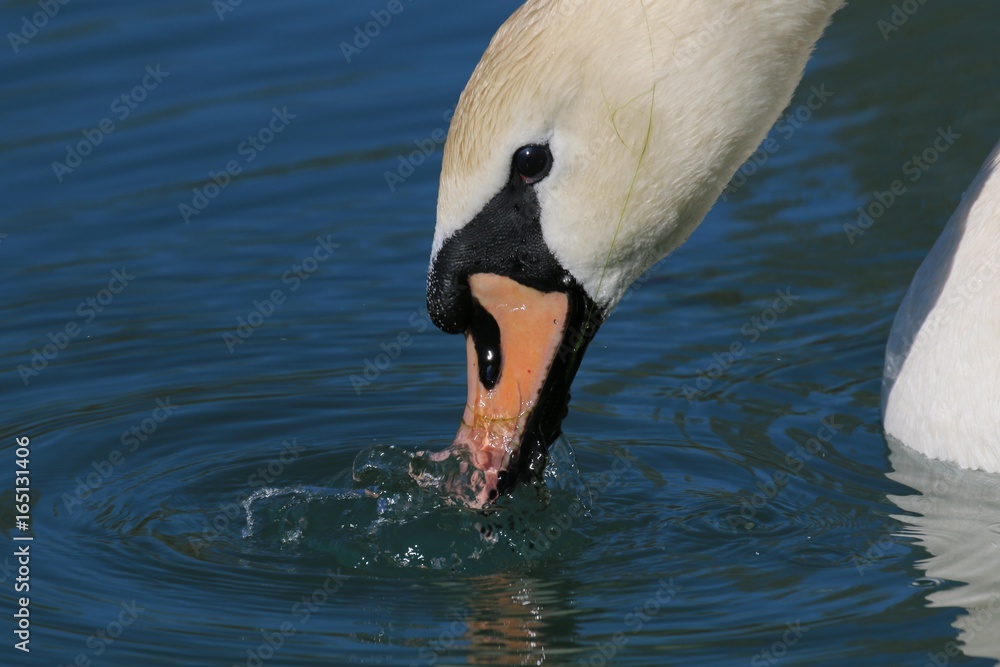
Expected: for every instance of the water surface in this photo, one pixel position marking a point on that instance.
(217, 314)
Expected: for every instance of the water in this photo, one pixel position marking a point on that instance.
(194, 498)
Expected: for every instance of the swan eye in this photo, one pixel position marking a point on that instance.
(532, 163)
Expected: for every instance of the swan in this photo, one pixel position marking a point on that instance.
(590, 141)
(941, 382)
(941, 399)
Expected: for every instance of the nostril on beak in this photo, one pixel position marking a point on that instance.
(449, 300)
(485, 334)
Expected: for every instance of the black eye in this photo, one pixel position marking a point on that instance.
(532, 163)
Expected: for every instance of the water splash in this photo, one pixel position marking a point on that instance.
(397, 510)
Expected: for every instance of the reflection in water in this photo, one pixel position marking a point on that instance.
(506, 624)
(513, 619)
(956, 518)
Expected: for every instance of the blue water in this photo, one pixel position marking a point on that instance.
(214, 236)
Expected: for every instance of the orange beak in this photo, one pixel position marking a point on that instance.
(511, 346)
(524, 346)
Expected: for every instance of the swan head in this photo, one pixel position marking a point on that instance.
(590, 141)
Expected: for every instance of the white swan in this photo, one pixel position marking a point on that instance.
(941, 388)
(591, 140)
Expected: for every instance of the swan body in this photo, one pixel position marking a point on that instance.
(590, 141)
(941, 387)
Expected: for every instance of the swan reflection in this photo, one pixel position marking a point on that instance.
(956, 518)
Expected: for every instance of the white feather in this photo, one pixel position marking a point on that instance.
(649, 107)
(941, 387)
